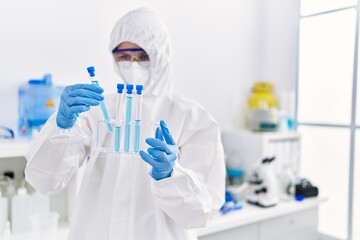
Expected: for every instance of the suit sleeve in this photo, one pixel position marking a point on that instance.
(56, 155)
(196, 188)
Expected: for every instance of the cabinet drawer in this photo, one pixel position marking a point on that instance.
(297, 226)
(247, 232)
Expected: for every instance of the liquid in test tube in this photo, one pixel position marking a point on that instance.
(118, 117)
(128, 114)
(91, 71)
(138, 106)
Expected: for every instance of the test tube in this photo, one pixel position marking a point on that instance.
(138, 105)
(91, 71)
(118, 116)
(128, 114)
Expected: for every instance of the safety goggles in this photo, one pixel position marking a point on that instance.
(128, 55)
(6, 133)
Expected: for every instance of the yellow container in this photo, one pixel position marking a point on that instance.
(262, 97)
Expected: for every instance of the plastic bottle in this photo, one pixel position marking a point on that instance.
(263, 109)
(7, 232)
(21, 211)
(38, 100)
(10, 190)
(262, 95)
(39, 203)
(3, 213)
(234, 170)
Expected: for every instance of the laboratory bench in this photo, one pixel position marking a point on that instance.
(286, 221)
(14, 148)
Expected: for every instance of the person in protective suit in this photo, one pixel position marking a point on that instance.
(165, 193)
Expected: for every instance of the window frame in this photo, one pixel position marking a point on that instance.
(353, 127)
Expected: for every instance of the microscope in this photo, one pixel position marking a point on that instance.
(264, 186)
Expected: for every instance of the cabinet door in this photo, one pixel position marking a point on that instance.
(248, 232)
(297, 226)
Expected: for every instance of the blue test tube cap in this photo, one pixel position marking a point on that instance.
(91, 71)
(139, 89)
(129, 88)
(120, 88)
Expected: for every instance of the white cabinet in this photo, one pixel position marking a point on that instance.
(286, 221)
(296, 226)
(248, 232)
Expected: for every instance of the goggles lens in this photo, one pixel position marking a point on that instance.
(130, 55)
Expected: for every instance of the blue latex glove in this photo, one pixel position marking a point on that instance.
(76, 99)
(162, 153)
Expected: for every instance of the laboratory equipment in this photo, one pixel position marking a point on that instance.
(248, 146)
(234, 171)
(305, 188)
(231, 203)
(299, 198)
(3, 213)
(118, 116)
(91, 71)
(239, 192)
(264, 187)
(287, 182)
(21, 212)
(263, 111)
(45, 225)
(6, 133)
(287, 106)
(235, 176)
(138, 106)
(105, 141)
(38, 100)
(128, 115)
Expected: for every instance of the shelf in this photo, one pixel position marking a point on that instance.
(276, 135)
(251, 214)
(14, 148)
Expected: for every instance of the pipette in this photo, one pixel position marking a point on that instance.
(118, 116)
(128, 114)
(91, 71)
(138, 106)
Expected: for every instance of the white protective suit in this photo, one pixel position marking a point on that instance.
(118, 199)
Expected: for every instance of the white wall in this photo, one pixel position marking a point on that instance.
(219, 48)
(279, 34)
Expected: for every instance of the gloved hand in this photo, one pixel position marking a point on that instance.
(162, 154)
(76, 99)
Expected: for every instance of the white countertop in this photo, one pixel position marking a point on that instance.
(13, 148)
(249, 214)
